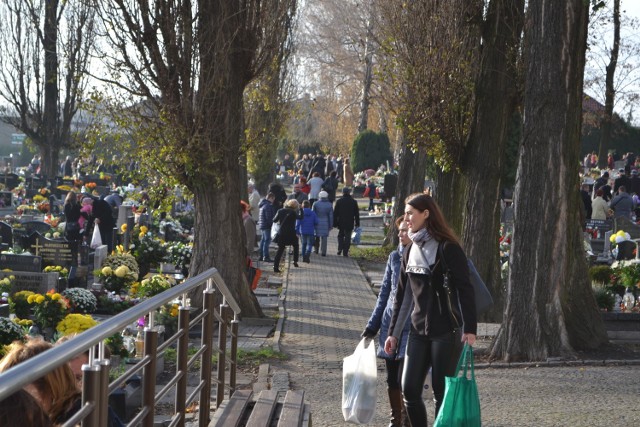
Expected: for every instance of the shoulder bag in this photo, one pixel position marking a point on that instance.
(483, 298)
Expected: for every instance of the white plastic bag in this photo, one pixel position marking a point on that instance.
(359, 384)
(275, 228)
(96, 240)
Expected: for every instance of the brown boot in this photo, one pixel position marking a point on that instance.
(395, 400)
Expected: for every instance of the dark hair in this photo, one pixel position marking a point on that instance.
(306, 204)
(399, 221)
(599, 193)
(270, 195)
(23, 405)
(436, 225)
(71, 198)
(333, 174)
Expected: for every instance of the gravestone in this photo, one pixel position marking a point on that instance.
(21, 263)
(31, 227)
(6, 200)
(10, 181)
(124, 212)
(34, 282)
(99, 256)
(54, 252)
(6, 234)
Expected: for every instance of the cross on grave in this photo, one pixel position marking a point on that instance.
(37, 246)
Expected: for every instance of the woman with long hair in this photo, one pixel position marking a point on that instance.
(440, 322)
(57, 391)
(72, 216)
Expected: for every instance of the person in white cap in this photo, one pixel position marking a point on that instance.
(324, 211)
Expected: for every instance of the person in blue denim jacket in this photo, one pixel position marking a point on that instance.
(379, 321)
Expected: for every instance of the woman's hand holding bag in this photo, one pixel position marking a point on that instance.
(96, 239)
(359, 384)
(461, 403)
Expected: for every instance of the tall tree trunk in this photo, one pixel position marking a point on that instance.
(367, 79)
(411, 172)
(485, 153)
(50, 118)
(449, 194)
(610, 92)
(550, 308)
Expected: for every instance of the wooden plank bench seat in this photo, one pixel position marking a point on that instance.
(239, 410)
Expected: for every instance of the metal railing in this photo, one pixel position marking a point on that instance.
(95, 385)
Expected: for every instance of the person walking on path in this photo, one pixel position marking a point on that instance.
(622, 204)
(330, 185)
(346, 215)
(286, 236)
(324, 211)
(305, 227)
(371, 193)
(436, 317)
(379, 321)
(315, 187)
(265, 221)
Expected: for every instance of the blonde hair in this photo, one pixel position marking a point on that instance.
(292, 204)
(57, 390)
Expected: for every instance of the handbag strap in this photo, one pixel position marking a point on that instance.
(466, 361)
(447, 289)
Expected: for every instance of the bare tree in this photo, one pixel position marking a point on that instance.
(191, 61)
(46, 47)
(550, 308)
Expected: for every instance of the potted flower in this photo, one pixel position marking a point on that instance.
(9, 332)
(81, 300)
(118, 272)
(48, 309)
(154, 285)
(75, 323)
(63, 272)
(20, 305)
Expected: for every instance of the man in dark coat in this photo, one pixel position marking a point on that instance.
(280, 194)
(603, 183)
(103, 217)
(346, 215)
(621, 181)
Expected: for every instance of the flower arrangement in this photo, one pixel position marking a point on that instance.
(620, 236)
(45, 192)
(52, 220)
(65, 188)
(49, 309)
(62, 271)
(154, 285)
(75, 323)
(19, 304)
(626, 273)
(9, 332)
(81, 300)
(78, 183)
(179, 254)
(43, 207)
(119, 271)
(38, 198)
(148, 251)
(6, 283)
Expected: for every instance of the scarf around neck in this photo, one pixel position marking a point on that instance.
(422, 253)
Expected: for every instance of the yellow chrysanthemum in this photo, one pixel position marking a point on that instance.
(143, 230)
(56, 296)
(31, 298)
(39, 299)
(123, 227)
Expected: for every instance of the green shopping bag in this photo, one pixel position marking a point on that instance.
(461, 404)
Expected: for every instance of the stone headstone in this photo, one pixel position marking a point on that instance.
(54, 252)
(6, 199)
(10, 180)
(99, 256)
(124, 212)
(21, 263)
(31, 227)
(34, 282)
(6, 234)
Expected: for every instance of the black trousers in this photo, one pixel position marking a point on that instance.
(439, 353)
(394, 373)
(344, 240)
(296, 250)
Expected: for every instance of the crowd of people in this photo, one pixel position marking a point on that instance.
(615, 194)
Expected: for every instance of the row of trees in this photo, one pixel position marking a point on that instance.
(454, 75)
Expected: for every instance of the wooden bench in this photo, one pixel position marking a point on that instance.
(240, 410)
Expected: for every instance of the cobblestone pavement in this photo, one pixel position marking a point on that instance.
(327, 305)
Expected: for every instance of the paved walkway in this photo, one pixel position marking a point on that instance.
(327, 305)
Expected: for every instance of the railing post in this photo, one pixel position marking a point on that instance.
(91, 393)
(205, 366)
(105, 365)
(222, 348)
(234, 355)
(149, 375)
(182, 360)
